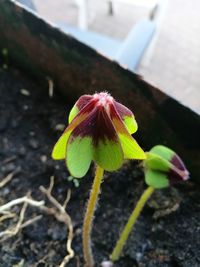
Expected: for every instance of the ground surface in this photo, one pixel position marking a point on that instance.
(27, 132)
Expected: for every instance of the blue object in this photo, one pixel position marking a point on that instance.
(133, 48)
(29, 3)
(127, 52)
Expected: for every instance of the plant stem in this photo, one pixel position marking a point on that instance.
(87, 223)
(129, 225)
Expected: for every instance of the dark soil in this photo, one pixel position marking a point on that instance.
(27, 135)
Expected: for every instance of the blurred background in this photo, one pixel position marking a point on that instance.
(170, 59)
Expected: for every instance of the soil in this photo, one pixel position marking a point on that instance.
(167, 233)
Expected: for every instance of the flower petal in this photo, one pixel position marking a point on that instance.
(163, 152)
(177, 170)
(127, 117)
(80, 103)
(164, 160)
(156, 179)
(79, 155)
(169, 155)
(130, 147)
(107, 148)
(157, 163)
(104, 143)
(109, 155)
(59, 150)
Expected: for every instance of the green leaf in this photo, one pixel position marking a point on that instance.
(108, 154)
(156, 179)
(130, 147)
(79, 155)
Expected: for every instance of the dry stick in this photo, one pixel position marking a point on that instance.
(9, 233)
(62, 216)
(88, 219)
(51, 87)
(31, 221)
(9, 160)
(7, 216)
(25, 199)
(8, 178)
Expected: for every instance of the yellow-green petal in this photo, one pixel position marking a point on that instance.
(74, 111)
(163, 151)
(130, 124)
(130, 147)
(156, 162)
(108, 154)
(79, 155)
(156, 179)
(59, 150)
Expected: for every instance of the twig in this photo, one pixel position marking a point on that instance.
(31, 221)
(51, 87)
(14, 230)
(17, 201)
(164, 212)
(62, 216)
(7, 216)
(8, 178)
(8, 160)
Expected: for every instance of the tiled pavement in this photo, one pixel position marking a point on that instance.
(174, 65)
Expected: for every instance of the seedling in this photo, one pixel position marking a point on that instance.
(163, 168)
(99, 129)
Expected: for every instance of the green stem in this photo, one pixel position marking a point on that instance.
(89, 215)
(129, 225)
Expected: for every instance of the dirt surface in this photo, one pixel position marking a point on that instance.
(167, 233)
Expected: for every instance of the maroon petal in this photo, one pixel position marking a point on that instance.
(98, 125)
(179, 172)
(83, 101)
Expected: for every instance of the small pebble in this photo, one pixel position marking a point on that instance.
(138, 256)
(5, 191)
(106, 264)
(22, 151)
(33, 143)
(43, 158)
(25, 92)
(25, 107)
(57, 233)
(31, 133)
(60, 127)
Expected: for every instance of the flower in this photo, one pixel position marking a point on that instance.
(99, 129)
(164, 168)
